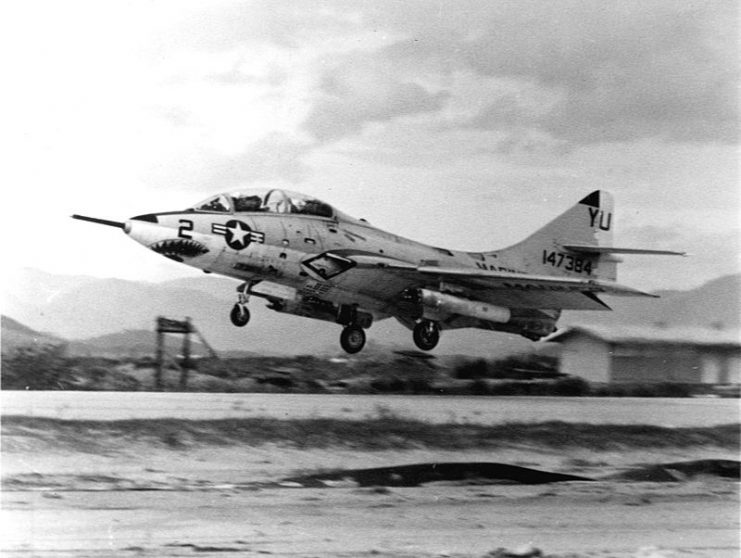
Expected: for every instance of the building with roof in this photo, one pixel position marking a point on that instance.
(631, 354)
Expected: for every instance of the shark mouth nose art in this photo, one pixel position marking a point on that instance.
(179, 248)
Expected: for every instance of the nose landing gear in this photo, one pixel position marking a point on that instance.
(240, 314)
(426, 334)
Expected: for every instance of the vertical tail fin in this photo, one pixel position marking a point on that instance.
(551, 250)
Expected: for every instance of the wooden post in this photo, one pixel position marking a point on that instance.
(185, 365)
(160, 357)
(167, 325)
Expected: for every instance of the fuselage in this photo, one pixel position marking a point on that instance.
(308, 259)
(280, 243)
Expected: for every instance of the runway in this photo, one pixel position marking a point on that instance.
(79, 405)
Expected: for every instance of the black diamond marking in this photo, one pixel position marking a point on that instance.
(328, 265)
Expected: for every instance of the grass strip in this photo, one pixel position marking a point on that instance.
(376, 433)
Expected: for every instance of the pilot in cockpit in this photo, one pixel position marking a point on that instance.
(298, 205)
(247, 203)
(215, 204)
(276, 201)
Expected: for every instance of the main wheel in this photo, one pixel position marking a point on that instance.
(352, 339)
(426, 335)
(240, 315)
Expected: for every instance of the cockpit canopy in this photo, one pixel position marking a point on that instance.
(267, 201)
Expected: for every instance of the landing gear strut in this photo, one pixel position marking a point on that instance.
(352, 339)
(240, 314)
(426, 334)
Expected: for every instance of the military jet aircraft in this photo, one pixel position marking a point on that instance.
(309, 259)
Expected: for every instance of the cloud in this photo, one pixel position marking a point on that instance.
(273, 159)
(622, 71)
(223, 25)
(612, 72)
(360, 91)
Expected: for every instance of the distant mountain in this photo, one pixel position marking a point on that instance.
(131, 343)
(714, 304)
(92, 310)
(88, 309)
(15, 334)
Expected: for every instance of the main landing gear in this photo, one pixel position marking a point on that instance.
(240, 314)
(352, 339)
(426, 334)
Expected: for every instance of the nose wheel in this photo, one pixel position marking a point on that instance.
(240, 315)
(352, 339)
(426, 334)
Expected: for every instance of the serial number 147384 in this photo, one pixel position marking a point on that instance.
(567, 262)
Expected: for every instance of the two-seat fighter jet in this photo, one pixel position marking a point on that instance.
(307, 258)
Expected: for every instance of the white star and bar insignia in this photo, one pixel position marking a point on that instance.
(238, 235)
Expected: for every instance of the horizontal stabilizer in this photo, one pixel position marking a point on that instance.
(591, 249)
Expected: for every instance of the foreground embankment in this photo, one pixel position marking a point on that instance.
(383, 485)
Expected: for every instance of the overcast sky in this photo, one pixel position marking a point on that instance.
(463, 124)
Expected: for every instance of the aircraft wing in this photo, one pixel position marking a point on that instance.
(508, 289)
(524, 282)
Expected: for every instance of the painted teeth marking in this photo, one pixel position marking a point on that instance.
(179, 248)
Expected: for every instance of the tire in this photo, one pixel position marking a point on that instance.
(352, 339)
(240, 315)
(426, 335)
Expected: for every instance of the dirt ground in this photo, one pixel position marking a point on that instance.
(228, 501)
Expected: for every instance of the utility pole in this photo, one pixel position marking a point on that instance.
(159, 356)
